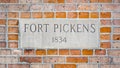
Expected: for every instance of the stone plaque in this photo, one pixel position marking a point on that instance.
(59, 33)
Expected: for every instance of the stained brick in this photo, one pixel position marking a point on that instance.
(3, 7)
(116, 37)
(65, 66)
(13, 15)
(87, 52)
(2, 21)
(72, 15)
(52, 52)
(48, 7)
(13, 44)
(12, 30)
(54, 59)
(105, 29)
(105, 45)
(60, 14)
(12, 37)
(94, 15)
(31, 59)
(26, 1)
(105, 22)
(2, 44)
(100, 52)
(13, 22)
(116, 45)
(37, 14)
(25, 15)
(40, 52)
(99, 59)
(8, 1)
(76, 59)
(105, 14)
(18, 66)
(113, 52)
(60, 1)
(105, 1)
(116, 30)
(63, 52)
(93, 1)
(29, 52)
(75, 52)
(104, 36)
(48, 15)
(83, 15)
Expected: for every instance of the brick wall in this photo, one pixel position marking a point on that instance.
(106, 56)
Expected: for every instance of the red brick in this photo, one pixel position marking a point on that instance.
(31, 59)
(105, 15)
(116, 37)
(104, 36)
(94, 15)
(25, 14)
(12, 29)
(2, 21)
(72, 15)
(2, 44)
(60, 1)
(114, 52)
(100, 52)
(70, 7)
(63, 52)
(13, 15)
(36, 7)
(60, 14)
(82, 1)
(12, 36)
(8, 1)
(48, 15)
(13, 22)
(49, 1)
(105, 29)
(83, 15)
(93, 1)
(75, 52)
(40, 52)
(18, 66)
(37, 14)
(60, 7)
(76, 59)
(105, 45)
(105, 1)
(105, 22)
(65, 66)
(29, 52)
(3, 15)
(87, 52)
(52, 52)
(71, 1)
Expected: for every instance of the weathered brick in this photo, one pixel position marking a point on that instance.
(17, 52)
(18, 66)
(60, 7)
(3, 7)
(2, 29)
(8, 59)
(48, 15)
(48, 7)
(116, 37)
(54, 59)
(94, 15)
(13, 44)
(31, 59)
(41, 66)
(8, 1)
(87, 66)
(2, 44)
(116, 45)
(72, 15)
(116, 1)
(116, 30)
(82, 1)
(100, 52)
(93, 1)
(60, 14)
(113, 52)
(3, 15)
(105, 45)
(63, 52)
(24, 7)
(60, 1)
(25, 15)
(36, 1)
(5, 52)
(36, 7)
(116, 15)
(105, 1)
(13, 22)
(12, 36)
(99, 59)
(13, 7)
(71, 1)
(13, 15)
(87, 52)
(115, 65)
(76, 59)
(116, 60)
(105, 14)
(2, 21)
(52, 52)
(65, 66)
(105, 22)
(36, 14)
(75, 52)
(70, 7)
(2, 66)
(109, 66)
(29, 52)
(105, 29)
(26, 1)
(40, 52)
(104, 36)
(116, 22)
(13, 30)
(49, 1)
(2, 36)
(83, 15)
